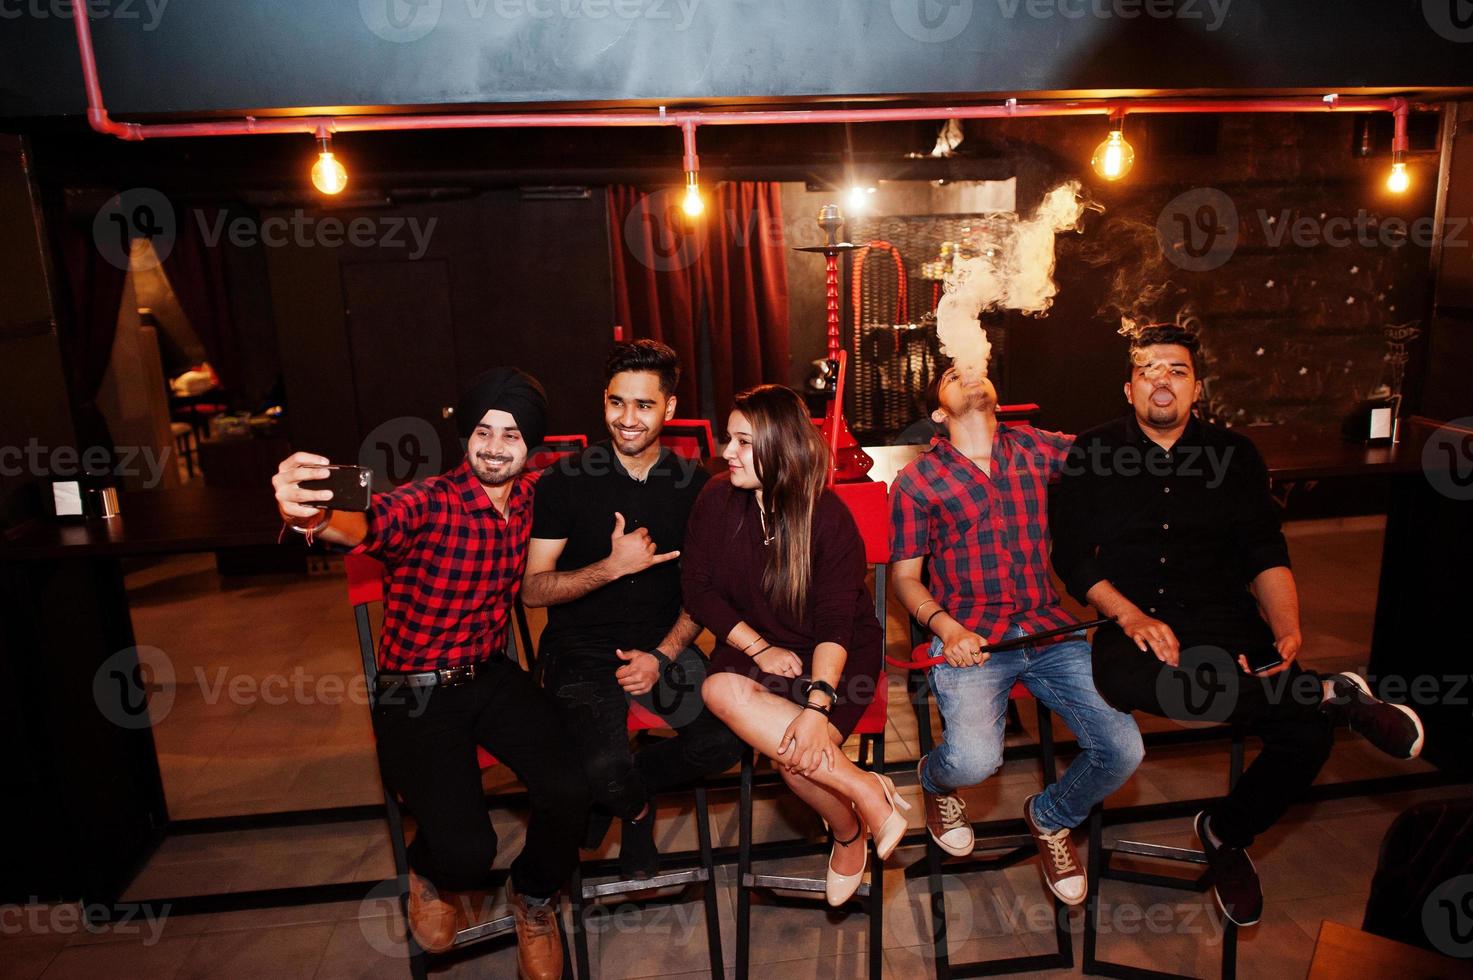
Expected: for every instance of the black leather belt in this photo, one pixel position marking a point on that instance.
(446, 677)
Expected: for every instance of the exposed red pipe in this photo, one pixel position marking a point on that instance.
(98, 118)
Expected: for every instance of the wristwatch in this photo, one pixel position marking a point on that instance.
(808, 686)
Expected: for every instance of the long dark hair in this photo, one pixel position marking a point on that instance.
(792, 463)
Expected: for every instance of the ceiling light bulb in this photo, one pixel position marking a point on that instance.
(328, 174)
(1398, 180)
(693, 204)
(1114, 157)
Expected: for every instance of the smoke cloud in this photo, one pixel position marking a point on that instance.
(1014, 272)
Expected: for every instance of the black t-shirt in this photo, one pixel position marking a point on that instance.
(577, 498)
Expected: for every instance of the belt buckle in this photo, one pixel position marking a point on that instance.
(451, 676)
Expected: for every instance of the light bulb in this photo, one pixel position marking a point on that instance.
(328, 174)
(1114, 157)
(859, 197)
(693, 204)
(1398, 180)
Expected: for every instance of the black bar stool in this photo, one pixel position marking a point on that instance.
(365, 588)
(1101, 870)
(990, 853)
(586, 895)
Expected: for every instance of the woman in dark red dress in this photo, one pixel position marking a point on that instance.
(773, 566)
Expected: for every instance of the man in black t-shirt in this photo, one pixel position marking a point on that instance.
(607, 530)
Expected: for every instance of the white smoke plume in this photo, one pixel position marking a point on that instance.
(1016, 273)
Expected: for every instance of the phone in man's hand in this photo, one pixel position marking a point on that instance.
(351, 487)
(1264, 656)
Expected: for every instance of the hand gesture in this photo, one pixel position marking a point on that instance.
(805, 744)
(633, 552)
(780, 661)
(641, 671)
(963, 648)
(1153, 634)
(291, 499)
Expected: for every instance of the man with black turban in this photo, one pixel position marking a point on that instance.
(454, 548)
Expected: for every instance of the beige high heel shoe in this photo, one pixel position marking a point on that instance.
(838, 888)
(888, 834)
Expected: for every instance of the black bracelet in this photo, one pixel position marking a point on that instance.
(822, 687)
(810, 706)
(938, 612)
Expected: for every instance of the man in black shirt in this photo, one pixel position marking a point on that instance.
(1165, 523)
(607, 529)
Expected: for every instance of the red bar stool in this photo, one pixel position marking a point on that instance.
(366, 587)
(689, 438)
(870, 505)
(554, 448)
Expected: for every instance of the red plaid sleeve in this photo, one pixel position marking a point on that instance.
(394, 518)
(910, 523)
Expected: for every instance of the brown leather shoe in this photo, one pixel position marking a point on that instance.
(539, 946)
(1062, 871)
(946, 819)
(433, 919)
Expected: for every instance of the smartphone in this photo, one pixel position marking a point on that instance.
(350, 486)
(1266, 656)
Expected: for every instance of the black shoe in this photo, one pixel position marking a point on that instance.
(1234, 879)
(1393, 728)
(599, 822)
(638, 858)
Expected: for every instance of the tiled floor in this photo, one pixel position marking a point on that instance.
(267, 714)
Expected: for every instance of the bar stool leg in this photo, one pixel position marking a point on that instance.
(1094, 865)
(708, 862)
(580, 920)
(877, 880)
(744, 869)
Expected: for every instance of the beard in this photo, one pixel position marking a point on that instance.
(494, 471)
(626, 447)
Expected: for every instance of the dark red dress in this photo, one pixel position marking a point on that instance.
(721, 578)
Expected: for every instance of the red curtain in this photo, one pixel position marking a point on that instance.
(724, 274)
(196, 272)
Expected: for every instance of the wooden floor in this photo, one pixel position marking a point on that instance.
(267, 714)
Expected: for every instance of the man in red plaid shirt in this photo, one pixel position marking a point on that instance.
(971, 515)
(455, 548)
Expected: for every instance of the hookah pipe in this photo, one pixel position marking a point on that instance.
(923, 663)
(848, 463)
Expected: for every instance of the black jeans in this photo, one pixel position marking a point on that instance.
(427, 752)
(1284, 711)
(596, 710)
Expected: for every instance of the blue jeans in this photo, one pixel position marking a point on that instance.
(974, 702)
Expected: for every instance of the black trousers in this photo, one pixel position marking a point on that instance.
(1283, 711)
(427, 752)
(596, 710)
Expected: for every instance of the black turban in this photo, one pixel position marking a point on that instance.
(510, 390)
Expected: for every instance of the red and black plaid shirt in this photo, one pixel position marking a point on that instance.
(454, 568)
(986, 537)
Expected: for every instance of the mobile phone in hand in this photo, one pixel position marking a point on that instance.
(350, 486)
(1264, 656)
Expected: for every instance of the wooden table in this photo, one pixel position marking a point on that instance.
(1341, 952)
